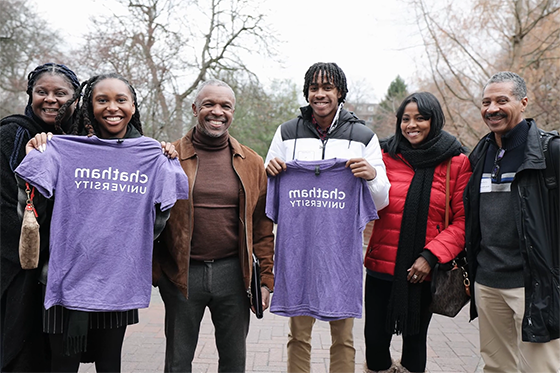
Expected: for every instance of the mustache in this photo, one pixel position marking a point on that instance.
(495, 115)
(211, 117)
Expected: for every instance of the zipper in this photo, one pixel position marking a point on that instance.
(527, 249)
(324, 146)
(244, 222)
(192, 188)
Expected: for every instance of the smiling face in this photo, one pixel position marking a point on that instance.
(48, 95)
(214, 107)
(323, 98)
(113, 107)
(501, 110)
(414, 127)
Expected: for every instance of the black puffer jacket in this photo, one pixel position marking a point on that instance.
(537, 219)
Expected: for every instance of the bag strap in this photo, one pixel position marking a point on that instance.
(550, 173)
(30, 194)
(447, 176)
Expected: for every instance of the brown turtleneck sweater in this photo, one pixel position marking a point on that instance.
(216, 200)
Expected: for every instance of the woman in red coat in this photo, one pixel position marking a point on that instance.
(409, 238)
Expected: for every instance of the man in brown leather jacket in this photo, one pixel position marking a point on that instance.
(203, 257)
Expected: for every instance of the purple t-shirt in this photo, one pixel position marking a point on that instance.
(321, 210)
(103, 217)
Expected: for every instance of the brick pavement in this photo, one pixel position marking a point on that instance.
(452, 344)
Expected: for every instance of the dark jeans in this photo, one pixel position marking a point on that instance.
(219, 286)
(378, 340)
(104, 345)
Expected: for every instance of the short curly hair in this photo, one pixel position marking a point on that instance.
(334, 74)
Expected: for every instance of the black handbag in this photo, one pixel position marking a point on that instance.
(256, 294)
(450, 281)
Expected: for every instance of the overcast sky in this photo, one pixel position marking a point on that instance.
(371, 40)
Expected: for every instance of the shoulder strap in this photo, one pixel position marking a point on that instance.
(21, 138)
(551, 172)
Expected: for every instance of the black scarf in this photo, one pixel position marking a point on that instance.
(404, 305)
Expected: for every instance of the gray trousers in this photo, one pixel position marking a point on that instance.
(219, 286)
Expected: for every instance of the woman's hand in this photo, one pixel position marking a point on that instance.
(39, 142)
(169, 150)
(419, 270)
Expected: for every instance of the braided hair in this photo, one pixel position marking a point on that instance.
(85, 121)
(329, 71)
(53, 69)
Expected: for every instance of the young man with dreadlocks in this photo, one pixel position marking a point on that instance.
(109, 189)
(23, 347)
(324, 130)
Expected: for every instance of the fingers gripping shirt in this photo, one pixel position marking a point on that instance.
(321, 210)
(104, 211)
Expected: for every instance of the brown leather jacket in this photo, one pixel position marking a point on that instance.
(172, 248)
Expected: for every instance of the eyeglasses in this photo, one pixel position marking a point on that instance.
(496, 170)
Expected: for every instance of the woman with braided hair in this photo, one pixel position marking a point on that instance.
(410, 236)
(101, 275)
(23, 345)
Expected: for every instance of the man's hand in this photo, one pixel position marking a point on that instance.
(361, 168)
(169, 150)
(265, 298)
(275, 166)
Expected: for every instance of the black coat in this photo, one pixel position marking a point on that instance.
(23, 343)
(538, 224)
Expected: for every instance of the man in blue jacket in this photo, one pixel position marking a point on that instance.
(512, 228)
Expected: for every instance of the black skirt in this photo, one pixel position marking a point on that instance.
(55, 318)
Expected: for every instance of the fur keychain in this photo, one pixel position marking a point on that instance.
(29, 240)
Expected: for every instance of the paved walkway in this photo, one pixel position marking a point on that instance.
(452, 344)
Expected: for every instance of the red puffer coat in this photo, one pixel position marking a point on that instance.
(444, 244)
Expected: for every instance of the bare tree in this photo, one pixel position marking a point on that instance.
(259, 112)
(360, 91)
(167, 47)
(467, 42)
(25, 41)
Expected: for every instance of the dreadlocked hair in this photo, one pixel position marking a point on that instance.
(86, 121)
(53, 69)
(328, 71)
(73, 130)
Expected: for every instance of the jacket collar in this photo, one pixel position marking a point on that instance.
(132, 132)
(533, 158)
(344, 116)
(187, 149)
